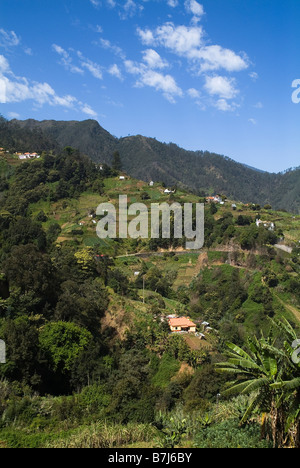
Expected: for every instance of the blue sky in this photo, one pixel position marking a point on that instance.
(210, 75)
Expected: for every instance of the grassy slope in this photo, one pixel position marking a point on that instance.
(69, 213)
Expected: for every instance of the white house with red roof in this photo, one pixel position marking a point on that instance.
(182, 324)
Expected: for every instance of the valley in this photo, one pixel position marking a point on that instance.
(91, 358)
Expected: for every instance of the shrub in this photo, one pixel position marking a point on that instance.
(229, 434)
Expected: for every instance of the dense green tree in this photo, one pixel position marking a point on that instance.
(23, 231)
(31, 278)
(118, 281)
(83, 304)
(22, 349)
(116, 161)
(62, 343)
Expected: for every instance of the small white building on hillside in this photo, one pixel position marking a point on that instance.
(182, 324)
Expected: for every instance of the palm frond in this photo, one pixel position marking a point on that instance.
(246, 387)
(284, 326)
(253, 405)
(230, 370)
(239, 351)
(288, 385)
(244, 363)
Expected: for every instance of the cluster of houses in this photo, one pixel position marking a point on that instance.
(220, 201)
(23, 156)
(215, 199)
(268, 225)
(151, 184)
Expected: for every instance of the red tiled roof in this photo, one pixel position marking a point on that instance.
(181, 322)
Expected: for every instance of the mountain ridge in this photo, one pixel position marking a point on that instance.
(148, 159)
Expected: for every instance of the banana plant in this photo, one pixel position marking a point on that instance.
(267, 372)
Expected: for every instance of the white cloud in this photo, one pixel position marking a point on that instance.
(106, 44)
(65, 101)
(86, 109)
(148, 77)
(186, 42)
(193, 93)
(172, 3)
(225, 106)
(253, 121)
(15, 89)
(222, 86)
(153, 59)
(95, 3)
(92, 67)
(215, 57)
(66, 59)
(67, 62)
(2, 90)
(129, 9)
(195, 8)
(160, 82)
(130, 6)
(189, 42)
(147, 36)
(28, 51)
(134, 68)
(254, 76)
(60, 50)
(4, 65)
(181, 40)
(13, 115)
(8, 39)
(125, 8)
(115, 71)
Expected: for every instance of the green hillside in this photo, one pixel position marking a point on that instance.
(148, 159)
(91, 361)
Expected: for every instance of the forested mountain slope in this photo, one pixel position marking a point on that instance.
(148, 159)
